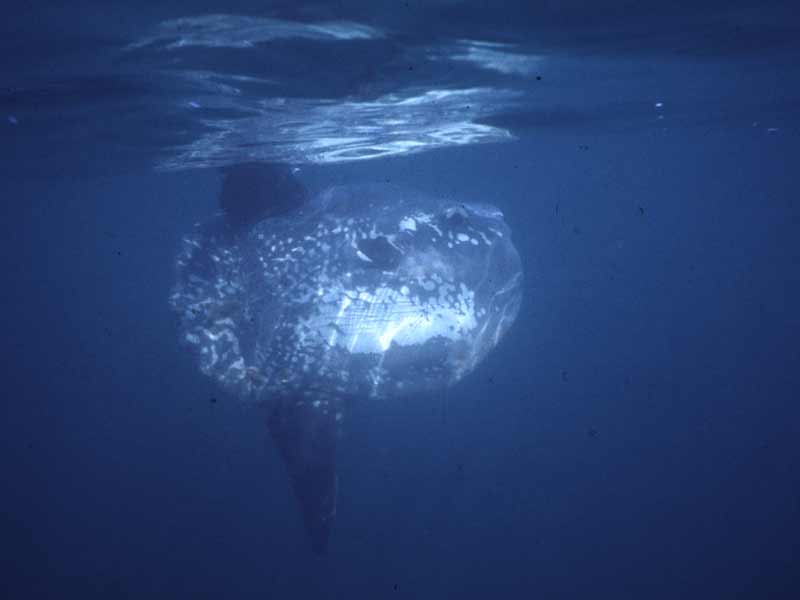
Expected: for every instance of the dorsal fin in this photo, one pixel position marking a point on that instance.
(255, 191)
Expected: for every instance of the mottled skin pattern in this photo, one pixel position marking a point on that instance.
(367, 291)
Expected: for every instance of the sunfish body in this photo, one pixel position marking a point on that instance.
(366, 291)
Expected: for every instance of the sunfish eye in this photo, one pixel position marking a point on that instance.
(380, 252)
(456, 215)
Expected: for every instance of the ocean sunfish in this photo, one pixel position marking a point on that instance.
(362, 291)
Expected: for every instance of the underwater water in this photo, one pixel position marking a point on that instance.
(633, 434)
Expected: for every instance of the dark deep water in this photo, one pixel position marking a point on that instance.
(635, 435)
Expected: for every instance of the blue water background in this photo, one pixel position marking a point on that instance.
(635, 435)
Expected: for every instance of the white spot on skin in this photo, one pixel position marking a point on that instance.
(408, 224)
(462, 237)
(427, 219)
